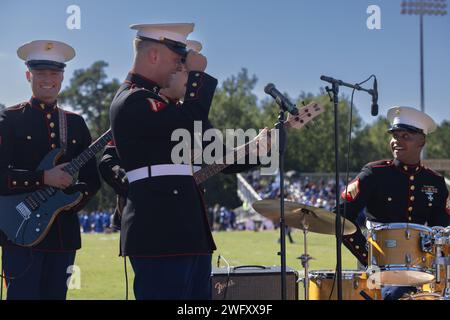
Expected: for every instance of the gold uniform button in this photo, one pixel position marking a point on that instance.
(52, 124)
(42, 106)
(410, 209)
(86, 193)
(194, 84)
(175, 191)
(409, 218)
(405, 167)
(417, 169)
(389, 199)
(364, 255)
(37, 183)
(52, 134)
(26, 183)
(14, 183)
(53, 146)
(74, 141)
(356, 247)
(28, 137)
(197, 74)
(411, 178)
(192, 94)
(351, 239)
(49, 116)
(412, 198)
(430, 204)
(412, 187)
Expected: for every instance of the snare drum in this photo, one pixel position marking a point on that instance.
(401, 254)
(353, 282)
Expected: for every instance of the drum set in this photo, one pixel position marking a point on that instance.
(400, 254)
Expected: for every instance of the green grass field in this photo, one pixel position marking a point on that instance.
(102, 270)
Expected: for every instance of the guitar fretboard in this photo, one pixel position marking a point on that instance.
(77, 163)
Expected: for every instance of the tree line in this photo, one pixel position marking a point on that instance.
(235, 105)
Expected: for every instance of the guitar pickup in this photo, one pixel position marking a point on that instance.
(23, 210)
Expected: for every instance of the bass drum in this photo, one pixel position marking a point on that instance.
(322, 285)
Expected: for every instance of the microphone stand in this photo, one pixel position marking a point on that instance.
(282, 148)
(335, 97)
(334, 91)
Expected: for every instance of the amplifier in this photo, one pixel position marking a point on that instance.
(252, 283)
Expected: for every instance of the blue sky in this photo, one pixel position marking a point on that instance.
(290, 43)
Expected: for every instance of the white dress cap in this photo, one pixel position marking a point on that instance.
(407, 118)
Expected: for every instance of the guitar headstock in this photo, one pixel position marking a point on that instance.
(305, 115)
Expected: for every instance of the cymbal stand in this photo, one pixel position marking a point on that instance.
(305, 257)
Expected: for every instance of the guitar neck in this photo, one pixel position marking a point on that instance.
(305, 115)
(77, 163)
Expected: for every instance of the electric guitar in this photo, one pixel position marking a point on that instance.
(26, 218)
(305, 115)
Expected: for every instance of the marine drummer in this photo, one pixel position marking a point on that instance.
(398, 190)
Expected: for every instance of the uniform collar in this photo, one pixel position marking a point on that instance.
(411, 169)
(143, 82)
(42, 106)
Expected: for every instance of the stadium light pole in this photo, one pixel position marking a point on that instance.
(423, 8)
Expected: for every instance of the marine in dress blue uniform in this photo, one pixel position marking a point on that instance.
(28, 131)
(164, 228)
(400, 189)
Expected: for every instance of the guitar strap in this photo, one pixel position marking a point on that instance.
(62, 130)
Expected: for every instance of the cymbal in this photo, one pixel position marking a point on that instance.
(299, 216)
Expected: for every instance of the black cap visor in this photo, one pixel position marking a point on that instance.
(175, 46)
(45, 65)
(407, 127)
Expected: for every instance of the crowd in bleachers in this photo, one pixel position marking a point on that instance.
(315, 190)
(95, 222)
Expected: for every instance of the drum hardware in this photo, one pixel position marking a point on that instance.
(408, 234)
(408, 259)
(306, 218)
(426, 242)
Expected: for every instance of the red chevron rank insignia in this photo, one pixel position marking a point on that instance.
(156, 105)
(352, 191)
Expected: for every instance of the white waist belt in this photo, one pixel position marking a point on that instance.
(161, 170)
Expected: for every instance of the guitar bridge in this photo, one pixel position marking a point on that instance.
(23, 210)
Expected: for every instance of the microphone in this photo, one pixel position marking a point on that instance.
(374, 109)
(280, 99)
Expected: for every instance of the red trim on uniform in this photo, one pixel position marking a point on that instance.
(170, 255)
(9, 246)
(156, 105)
(112, 143)
(352, 191)
(70, 112)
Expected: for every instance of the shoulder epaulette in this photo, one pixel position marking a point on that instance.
(433, 172)
(379, 163)
(19, 106)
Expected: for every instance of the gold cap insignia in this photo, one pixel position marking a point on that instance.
(49, 46)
